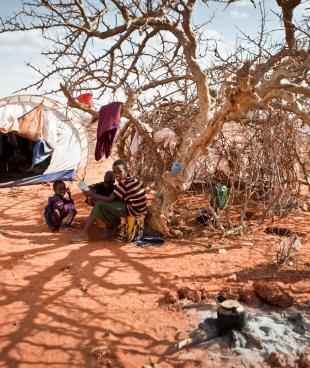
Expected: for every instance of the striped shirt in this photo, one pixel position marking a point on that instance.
(132, 192)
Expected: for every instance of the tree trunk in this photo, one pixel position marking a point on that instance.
(162, 209)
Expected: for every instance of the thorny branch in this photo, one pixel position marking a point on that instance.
(151, 53)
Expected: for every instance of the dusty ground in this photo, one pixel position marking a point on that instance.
(96, 304)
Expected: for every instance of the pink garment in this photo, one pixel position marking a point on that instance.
(109, 120)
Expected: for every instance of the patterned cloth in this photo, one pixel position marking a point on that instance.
(131, 228)
(65, 208)
(132, 192)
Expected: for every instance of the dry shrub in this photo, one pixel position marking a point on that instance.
(263, 161)
(151, 162)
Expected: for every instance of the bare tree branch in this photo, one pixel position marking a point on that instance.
(166, 68)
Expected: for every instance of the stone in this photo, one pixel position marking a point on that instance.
(306, 207)
(228, 293)
(298, 321)
(151, 365)
(190, 294)
(176, 233)
(83, 288)
(265, 329)
(168, 298)
(248, 296)
(238, 340)
(204, 294)
(232, 277)
(276, 359)
(304, 359)
(273, 293)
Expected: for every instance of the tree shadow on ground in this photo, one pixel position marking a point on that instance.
(274, 272)
(59, 308)
(84, 305)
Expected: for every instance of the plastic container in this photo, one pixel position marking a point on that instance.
(86, 98)
(175, 168)
(219, 195)
(231, 315)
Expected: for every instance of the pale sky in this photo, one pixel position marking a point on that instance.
(18, 48)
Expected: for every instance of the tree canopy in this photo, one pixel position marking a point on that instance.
(150, 53)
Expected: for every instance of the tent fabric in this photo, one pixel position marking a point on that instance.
(10, 113)
(30, 125)
(45, 178)
(62, 130)
(41, 152)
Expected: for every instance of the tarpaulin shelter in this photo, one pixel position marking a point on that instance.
(57, 131)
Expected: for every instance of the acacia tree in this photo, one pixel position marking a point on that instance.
(145, 51)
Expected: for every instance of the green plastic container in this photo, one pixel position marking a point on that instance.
(219, 195)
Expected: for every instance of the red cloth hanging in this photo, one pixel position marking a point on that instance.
(86, 98)
(109, 120)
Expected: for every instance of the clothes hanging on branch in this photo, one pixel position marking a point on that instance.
(167, 137)
(134, 147)
(109, 120)
(137, 139)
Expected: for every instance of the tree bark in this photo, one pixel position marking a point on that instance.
(162, 209)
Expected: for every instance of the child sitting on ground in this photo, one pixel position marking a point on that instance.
(104, 188)
(126, 205)
(59, 208)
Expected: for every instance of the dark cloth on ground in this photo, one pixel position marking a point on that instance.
(148, 241)
(110, 212)
(109, 120)
(132, 192)
(64, 206)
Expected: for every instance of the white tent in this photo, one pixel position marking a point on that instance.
(42, 119)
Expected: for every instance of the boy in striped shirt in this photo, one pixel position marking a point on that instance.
(129, 189)
(127, 199)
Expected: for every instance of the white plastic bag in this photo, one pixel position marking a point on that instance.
(168, 137)
(134, 147)
(137, 139)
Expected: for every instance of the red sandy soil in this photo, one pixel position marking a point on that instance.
(96, 304)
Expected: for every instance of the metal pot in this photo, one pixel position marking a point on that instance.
(231, 315)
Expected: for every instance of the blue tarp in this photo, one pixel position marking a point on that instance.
(44, 178)
(41, 152)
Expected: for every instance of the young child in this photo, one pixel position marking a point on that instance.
(128, 199)
(104, 188)
(59, 208)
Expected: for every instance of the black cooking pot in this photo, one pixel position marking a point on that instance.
(231, 315)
